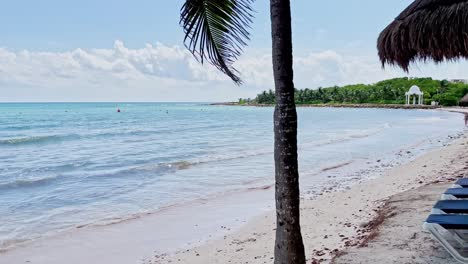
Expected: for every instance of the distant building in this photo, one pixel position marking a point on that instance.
(464, 81)
(414, 92)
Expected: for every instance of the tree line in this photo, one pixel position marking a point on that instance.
(384, 92)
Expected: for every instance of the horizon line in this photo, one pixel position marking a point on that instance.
(117, 102)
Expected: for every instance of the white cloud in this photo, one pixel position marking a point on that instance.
(163, 73)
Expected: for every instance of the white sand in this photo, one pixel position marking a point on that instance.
(332, 222)
(399, 238)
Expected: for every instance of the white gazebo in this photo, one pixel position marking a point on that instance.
(414, 92)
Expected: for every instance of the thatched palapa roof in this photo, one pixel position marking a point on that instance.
(464, 100)
(427, 29)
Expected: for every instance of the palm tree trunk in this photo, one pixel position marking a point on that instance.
(289, 248)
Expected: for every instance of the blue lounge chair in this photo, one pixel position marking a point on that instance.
(462, 183)
(448, 221)
(453, 207)
(455, 193)
(450, 207)
(449, 229)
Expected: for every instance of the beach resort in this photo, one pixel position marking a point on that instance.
(234, 131)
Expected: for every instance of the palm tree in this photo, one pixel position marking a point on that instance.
(217, 30)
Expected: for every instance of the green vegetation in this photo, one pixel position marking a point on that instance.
(385, 92)
(243, 101)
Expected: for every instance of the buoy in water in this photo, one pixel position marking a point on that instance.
(118, 110)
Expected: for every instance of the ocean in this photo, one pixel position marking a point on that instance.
(69, 165)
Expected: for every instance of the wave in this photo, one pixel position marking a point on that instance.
(157, 169)
(347, 136)
(369, 132)
(178, 165)
(187, 164)
(433, 119)
(336, 166)
(27, 183)
(25, 140)
(35, 140)
(28, 126)
(172, 167)
(249, 186)
(59, 138)
(8, 244)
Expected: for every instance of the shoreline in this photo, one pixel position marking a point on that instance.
(382, 106)
(134, 238)
(327, 233)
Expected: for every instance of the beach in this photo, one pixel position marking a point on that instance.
(338, 221)
(232, 131)
(336, 218)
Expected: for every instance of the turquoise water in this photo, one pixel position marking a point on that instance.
(67, 165)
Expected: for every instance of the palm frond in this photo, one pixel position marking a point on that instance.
(217, 31)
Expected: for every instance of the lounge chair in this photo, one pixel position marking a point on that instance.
(453, 207)
(448, 230)
(450, 207)
(461, 183)
(448, 221)
(455, 193)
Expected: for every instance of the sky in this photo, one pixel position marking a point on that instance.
(80, 51)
